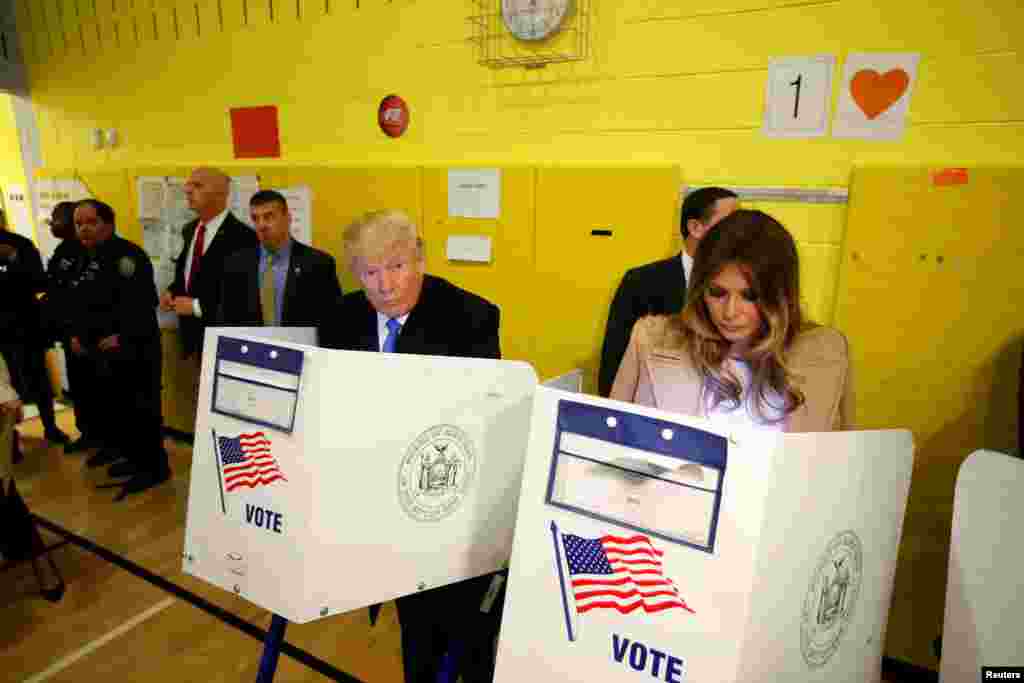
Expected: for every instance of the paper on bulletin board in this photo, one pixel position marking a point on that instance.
(874, 96)
(19, 210)
(242, 189)
(474, 192)
(300, 205)
(163, 212)
(151, 197)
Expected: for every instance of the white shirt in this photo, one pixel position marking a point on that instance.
(687, 267)
(743, 417)
(212, 226)
(382, 328)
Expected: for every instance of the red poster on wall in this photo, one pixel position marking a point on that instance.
(255, 133)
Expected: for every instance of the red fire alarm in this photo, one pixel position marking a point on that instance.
(393, 116)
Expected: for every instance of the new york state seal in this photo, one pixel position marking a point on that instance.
(437, 471)
(831, 598)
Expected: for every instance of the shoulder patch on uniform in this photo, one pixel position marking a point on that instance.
(126, 266)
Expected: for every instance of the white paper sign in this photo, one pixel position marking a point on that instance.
(19, 210)
(797, 96)
(875, 95)
(300, 205)
(242, 190)
(474, 193)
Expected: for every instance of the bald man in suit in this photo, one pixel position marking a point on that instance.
(208, 242)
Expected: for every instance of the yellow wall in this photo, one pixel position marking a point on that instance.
(671, 92)
(12, 170)
(666, 82)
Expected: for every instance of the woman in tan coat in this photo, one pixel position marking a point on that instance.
(741, 353)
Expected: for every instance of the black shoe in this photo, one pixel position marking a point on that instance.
(56, 436)
(83, 443)
(142, 481)
(107, 456)
(123, 469)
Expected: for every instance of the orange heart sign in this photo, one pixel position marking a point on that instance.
(874, 92)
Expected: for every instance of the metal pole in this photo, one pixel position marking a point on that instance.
(271, 649)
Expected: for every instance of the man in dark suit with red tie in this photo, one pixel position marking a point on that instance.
(209, 241)
(283, 283)
(404, 310)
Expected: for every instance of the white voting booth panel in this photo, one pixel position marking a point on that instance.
(323, 481)
(984, 620)
(649, 544)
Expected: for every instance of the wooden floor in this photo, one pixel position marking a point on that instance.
(115, 625)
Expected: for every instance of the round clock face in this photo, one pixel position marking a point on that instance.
(534, 19)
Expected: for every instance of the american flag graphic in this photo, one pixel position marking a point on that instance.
(620, 573)
(247, 461)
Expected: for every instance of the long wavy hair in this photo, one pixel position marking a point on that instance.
(766, 254)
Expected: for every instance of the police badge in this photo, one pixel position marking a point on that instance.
(126, 266)
(436, 472)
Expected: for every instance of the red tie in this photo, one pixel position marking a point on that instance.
(197, 254)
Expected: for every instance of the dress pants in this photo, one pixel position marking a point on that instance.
(436, 620)
(132, 421)
(81, 384)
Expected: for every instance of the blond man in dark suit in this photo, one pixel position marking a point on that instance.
(402, 309)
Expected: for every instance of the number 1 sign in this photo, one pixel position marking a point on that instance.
(797, 96)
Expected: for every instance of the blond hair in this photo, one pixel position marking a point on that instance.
(376, 233)
(765, 251)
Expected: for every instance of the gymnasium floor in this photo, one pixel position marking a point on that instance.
(130, 614)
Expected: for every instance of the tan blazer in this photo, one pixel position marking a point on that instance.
(667, 379)
(7, 420)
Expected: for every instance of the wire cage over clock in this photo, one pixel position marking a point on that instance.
(546, 32)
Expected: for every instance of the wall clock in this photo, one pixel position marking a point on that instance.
(534, 19)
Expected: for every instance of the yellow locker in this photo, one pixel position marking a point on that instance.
(579, 264)
(930, 299)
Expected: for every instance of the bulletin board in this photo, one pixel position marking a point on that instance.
(929, 297)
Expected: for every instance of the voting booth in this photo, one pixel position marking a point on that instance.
(649, 544)
(983, 629)
(324, 481)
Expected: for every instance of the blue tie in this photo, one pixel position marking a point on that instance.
(391, 340)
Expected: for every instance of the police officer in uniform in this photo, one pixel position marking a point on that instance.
(58, 306)
(114, 330)
(22, 338)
